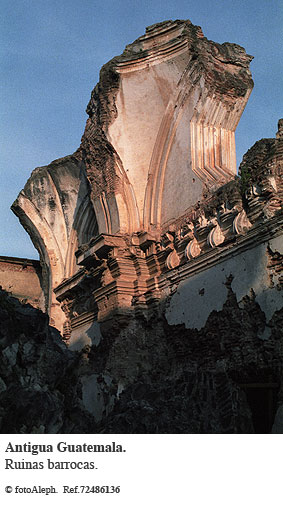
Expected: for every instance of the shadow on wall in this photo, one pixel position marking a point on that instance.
(87, 335)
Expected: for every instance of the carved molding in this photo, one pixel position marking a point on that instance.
(215, 237)
(173, 260)
(192, 250)
(213, 148)
(241, 223)
(159, 44)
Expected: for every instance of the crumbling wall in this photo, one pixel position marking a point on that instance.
(122, 180)
(145, 375)
(54, 207)
(203, 353)
(39, 390)
(250, 272)
(207, 360)
(163, 268)
(23, 279)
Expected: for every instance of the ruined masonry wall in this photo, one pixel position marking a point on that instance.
(218, 330)
(250, 273)
(22, 278)
(162, 268)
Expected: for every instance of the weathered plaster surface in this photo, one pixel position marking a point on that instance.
(85, 335)
(203, 293)
(22, 278)
(54, 208)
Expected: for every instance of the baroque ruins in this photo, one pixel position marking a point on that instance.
(161, 268)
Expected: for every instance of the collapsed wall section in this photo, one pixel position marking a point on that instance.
(22, 278)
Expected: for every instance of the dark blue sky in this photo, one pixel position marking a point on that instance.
(51, 53)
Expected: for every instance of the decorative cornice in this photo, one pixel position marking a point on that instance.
(255, 236)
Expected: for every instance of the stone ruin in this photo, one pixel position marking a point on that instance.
(160, 265)
(22, 278)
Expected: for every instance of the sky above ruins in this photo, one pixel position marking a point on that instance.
(51, 53)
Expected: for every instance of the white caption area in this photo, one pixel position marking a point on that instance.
(154, 469)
